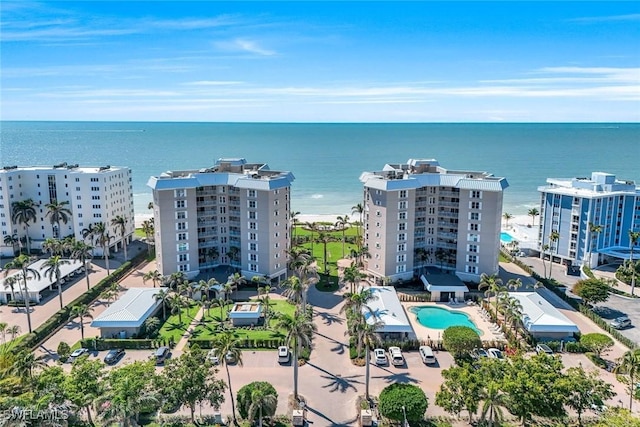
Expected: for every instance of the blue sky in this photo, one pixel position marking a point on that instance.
(321, 61)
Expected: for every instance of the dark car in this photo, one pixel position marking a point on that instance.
(113, 356)
(161, 354)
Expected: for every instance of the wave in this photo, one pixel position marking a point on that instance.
(317, 196)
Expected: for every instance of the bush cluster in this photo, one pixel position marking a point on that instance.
(207, 343)
(128, 343)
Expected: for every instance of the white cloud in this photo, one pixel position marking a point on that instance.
(613, 18)
(244, 45)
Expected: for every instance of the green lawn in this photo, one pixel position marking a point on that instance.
(172, 329)
(139, 233)
(334, 249)
(209, 328)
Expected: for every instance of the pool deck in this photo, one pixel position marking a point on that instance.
(473, 311)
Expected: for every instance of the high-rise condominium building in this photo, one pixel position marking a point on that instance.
(94, 194)
(234, 213)
(419, 214)
(591, 216)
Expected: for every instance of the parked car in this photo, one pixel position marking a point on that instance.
(113, 356)
(284, 355)
(427, 356)
(495, 353)
(230, 357)
(479, 353)
(395, 354)
(77, 353)
(380, 356)
(161, 354)
(212, 356)
(621, 322)
(543, 348)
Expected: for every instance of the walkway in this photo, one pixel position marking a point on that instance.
(184, 340)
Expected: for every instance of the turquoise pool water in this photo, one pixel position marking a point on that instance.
(441, 318)
(506, 237)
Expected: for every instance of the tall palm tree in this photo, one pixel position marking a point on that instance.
(26, 363)
(369, 335)
(325, 238)
(594, 230)
(148, 228)
(84, 253)
(544, 249)
(514, 284)
(493, 402)
(507, 216)
(24, 212)
(52, 269)
(53, 246)
(629, 365)
(236, 280)
(553, 239)
(163, 295)
(299, 329)
(299, 258)
(293, 218)
(634, 236)
(352, 275)
(358, 209)
(81, 311)
(533, 213)
(22, 262)
(177, 302)
(354, 306)
(119, 224)
(10, 283)
(12, 240)
(494, 286)
(3, 331)
(154, 275)
(261, 402)
(14, 331)
(312, 226)
(227, 345)
(342, 222)
(221, 302)
(421, 255)
(174, 280)
(101, 234)
(58, 212)
(89, 234)
(293, 289)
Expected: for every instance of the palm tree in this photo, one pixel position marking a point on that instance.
(109, 295)
(594, 230)
(325, 238)
(58, 212)
(369, 335)
(553, 238)
(119, 224)
(514, 284)
(352, 275)
(82, 252)
(13, 241)
(227, 345)
(23, 212)
(236, 280)
(354, 305)
(177, 303)
(634, 236)
(629, 365)
(26, 363)
(212, 254)
(544, 248)
(293, 218)
(493, 401)
(533, 213)
(358, 209)
(342, 222)
(10, 283)
(21, 262)
(14, 331)
(81, 311)
(294, 290)
(3, 331)
(155, 276)
(299, 258)
(221, 302)
(234, 255)
(299, 330)
(163, 295)
(421, 255)
(494, 286)
(52, 269)
(261, 402)
(148, 228)
(53, 246)
(312, 226)
(507, 216)
(103, 239)
(174, 280)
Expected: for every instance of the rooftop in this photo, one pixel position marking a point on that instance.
(386, 308)
(36, 285)
(71, 168)
(538, 315)
(443, 283)
(600, 184)
(131, 310)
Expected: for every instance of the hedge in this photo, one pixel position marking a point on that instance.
(206, 343)
(129, 343)
(62, 317)
(553, 286)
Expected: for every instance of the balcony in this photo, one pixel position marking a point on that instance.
(448, 214)
(449, 204)
(446, 193)
(446, 235)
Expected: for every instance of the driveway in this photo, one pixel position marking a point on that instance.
(618, 305)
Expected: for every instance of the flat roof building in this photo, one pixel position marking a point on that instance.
(93, 194)
(541, 319)
(385, 307)
(576, 207)
(418, 214)
(234, 213)
(124, 318)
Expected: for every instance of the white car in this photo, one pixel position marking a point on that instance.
(495, 353)
(77, 353)
(212, 356)
(284, 355)
(395, 354)
(380, 356)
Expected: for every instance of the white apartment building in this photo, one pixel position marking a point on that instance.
(419, 214)
(95, 194)
(574, 206)
(234, 213)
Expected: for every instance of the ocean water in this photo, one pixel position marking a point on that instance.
(327, 159)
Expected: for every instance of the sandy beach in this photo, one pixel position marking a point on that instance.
(139, 218)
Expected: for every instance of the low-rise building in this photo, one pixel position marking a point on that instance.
(125, 317)
(385, 307)
(541, 319)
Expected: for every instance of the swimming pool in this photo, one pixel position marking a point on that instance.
(506, 237)
(441, 318)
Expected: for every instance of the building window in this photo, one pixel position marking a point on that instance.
(403, 194)
(471, 269)
(253, 246)
(253, 257)
(473, 248)
(474, 227)
(253, 236)
(181, 215)
(401, 258)
(182, 236)
(183, 267)
(183, 247)
(402, 205)
(474, 216)
(472, 258)
(402, 237)
(475, 194)
(181, 226)
(181, 204)
(402, 215)
(253, 215)
(251, 193)
(473, 238)
(402, 247)
(253, 226)
(253, 267)
(180, 192)
(183, 257)
(402, 226)
(401, 268)
(252, 204)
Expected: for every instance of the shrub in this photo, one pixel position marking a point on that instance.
(597, 360)
(574, 347)
(244, 397)
(596, 343)
(108, 344)
(398, 395)
(460, 339)
(63, 351)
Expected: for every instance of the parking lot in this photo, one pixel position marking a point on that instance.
(617, 306)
